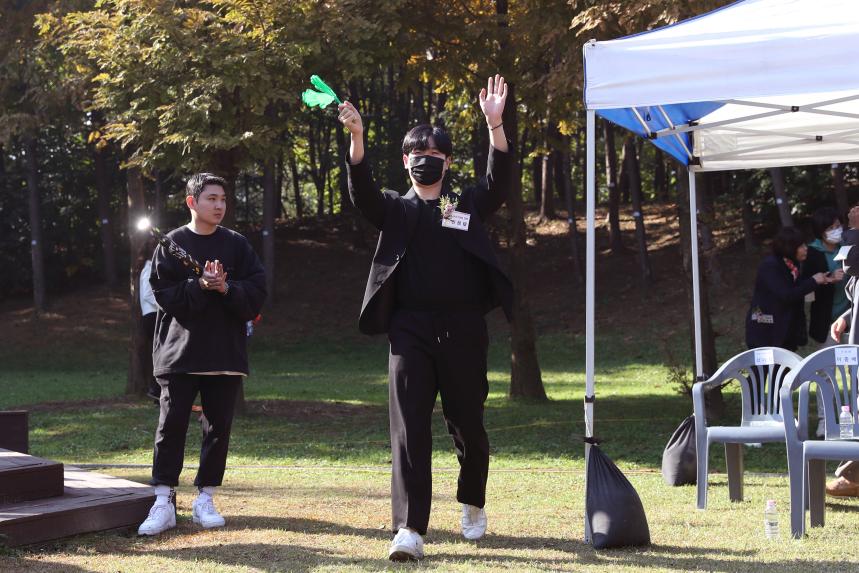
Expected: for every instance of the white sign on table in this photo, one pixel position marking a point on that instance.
(846, 357)
(764, 357)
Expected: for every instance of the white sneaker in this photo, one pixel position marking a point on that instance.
(205, 514)
(473, 521)
(161, 518)
(406, 546)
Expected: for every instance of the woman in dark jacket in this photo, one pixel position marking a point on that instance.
(829, 302)
(777, 316)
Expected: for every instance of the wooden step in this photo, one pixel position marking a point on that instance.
(24, 477)
(14, 430)
(90, 502)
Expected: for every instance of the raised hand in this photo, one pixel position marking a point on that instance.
(492, 99)
(350, 118)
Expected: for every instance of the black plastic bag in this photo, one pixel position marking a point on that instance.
(614, 510)
(679, 463)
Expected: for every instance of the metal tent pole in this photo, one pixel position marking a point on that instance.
(590, 263)
(696, 278)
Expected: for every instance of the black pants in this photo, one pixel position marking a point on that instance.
(434, 353)
(178, 391)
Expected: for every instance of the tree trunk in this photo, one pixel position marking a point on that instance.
(547, 197)
(660, 177)
(226, 161)
(140, 353)
(839, 190)
(565, 168)
(781, 197)
(537, 180)
(613, 192)
(296, 185)
(714, 397)
(633, 171)
(525, 377)
(707, 218)
(270, 201)
(36, 246)
(750, 242)
(279, 211)
(102, 185)
(159, 209)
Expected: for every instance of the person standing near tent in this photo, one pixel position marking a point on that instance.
(846, 482)
(776, 316)
(433, 277)
(200, 347)
(830, 300)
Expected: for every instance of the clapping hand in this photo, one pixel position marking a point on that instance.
(214, 278)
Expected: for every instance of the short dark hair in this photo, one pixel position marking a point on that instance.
(417, 139)
(822, 219)
(787, 241)
(198, 182)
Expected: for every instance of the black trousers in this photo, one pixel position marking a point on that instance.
(434, 353)
(218, 397)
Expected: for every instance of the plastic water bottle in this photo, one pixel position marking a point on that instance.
(771, 520)
(845, 423)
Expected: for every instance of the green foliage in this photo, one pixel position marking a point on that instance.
(177, 86)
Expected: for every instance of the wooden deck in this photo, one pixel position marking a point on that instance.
(89, 502)
(24, 477)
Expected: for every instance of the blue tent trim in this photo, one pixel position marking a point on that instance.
(680, 114)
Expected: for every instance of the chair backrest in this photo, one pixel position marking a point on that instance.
(761, 372)
(834, 371)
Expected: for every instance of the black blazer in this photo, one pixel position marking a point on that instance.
(779, 298)
(396, 217)
(820, 318)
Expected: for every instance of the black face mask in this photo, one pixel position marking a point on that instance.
(426, 169)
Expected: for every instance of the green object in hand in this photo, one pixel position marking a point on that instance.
(321, 98)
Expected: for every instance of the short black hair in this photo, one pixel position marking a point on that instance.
(822, 219)
(198, 182)
(787, 241)
(417, 139)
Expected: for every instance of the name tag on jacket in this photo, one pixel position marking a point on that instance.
(457, 220)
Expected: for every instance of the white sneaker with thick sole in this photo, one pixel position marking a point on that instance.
(204, 513)
(473, 521)
(406, 546)
(161, 518)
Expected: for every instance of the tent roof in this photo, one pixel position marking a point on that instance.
(760, 83)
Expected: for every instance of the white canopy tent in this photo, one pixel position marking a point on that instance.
(758, 83)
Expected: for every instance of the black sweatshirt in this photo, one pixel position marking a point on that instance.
(198, 330)
(437, 273)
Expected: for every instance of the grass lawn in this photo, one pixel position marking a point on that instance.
(318, 409)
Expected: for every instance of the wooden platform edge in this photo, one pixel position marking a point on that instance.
(117, 514)
(121, 508)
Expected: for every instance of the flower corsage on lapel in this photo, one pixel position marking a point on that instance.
(447, 204)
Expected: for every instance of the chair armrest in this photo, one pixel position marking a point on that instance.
(791, 434)
(802, 411)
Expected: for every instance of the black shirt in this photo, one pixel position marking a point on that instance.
(436, 273)
(198, 330)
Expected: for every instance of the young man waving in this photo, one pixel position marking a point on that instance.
(433, 277)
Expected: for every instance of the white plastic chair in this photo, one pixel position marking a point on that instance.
(834, 371)
(760, 373)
